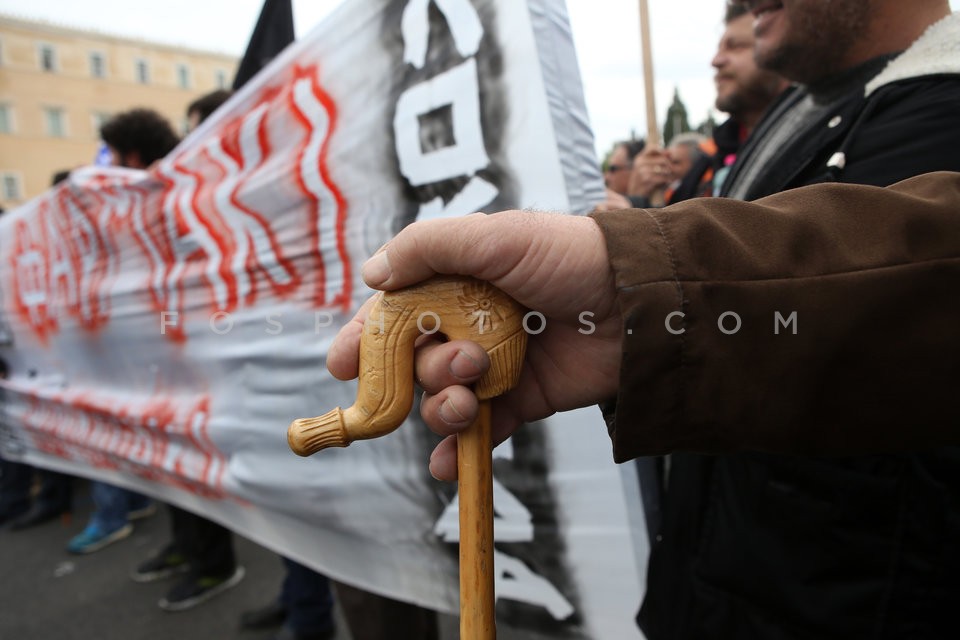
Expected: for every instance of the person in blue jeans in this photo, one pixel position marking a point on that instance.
(135, 139)
(114, 509)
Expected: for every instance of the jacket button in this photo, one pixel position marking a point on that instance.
(834, 121)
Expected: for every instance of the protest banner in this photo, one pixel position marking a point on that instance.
(165, 326)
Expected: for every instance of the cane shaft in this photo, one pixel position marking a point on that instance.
(475, 472)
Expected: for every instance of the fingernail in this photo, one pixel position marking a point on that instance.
(376, 270)
(450, 415)
(464, 367)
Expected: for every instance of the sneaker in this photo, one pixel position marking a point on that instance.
(142, 512)
(161, 565)
(93, 538)
(192, 590)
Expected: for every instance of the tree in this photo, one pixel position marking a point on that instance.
(676, 121)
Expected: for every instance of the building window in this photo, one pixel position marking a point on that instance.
(10, 183)
(183, 76)
(221, 78)
(56, 124)
(6, 118)
(98, 65)
(48, 57)
(142, 71)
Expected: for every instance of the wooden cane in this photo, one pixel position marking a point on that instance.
(475, 484)
(459, 308)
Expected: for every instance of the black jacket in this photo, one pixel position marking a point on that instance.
(726, 137)
(769, 546)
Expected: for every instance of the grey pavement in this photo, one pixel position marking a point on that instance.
(47, 593)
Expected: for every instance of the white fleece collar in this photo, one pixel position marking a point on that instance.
(936, 51)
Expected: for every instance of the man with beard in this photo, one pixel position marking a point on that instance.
(744, 91)
(756, 545)
(873, 366)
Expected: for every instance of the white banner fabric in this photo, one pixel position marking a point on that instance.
(164, 327)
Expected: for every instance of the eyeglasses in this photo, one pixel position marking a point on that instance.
(613, 168)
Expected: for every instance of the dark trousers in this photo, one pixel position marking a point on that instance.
(16, 483)
(650, 475)
(15, 479)
(56, 491)
(307, 597)
(206, 545)
(373, 617)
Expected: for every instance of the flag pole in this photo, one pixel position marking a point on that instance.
(653, 131)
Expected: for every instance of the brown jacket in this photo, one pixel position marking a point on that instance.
(873, 278)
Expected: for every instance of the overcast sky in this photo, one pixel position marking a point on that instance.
(606, 33)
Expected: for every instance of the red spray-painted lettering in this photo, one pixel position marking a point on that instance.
(249, 210)
(162, 439)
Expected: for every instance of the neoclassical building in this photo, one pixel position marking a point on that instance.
(58, 85)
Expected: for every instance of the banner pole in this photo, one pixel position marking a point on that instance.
(653, 131)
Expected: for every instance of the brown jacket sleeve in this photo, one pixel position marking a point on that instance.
(847, 300)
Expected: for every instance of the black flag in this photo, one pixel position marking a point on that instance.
(274, 31)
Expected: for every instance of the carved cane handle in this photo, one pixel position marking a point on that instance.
(457, 307)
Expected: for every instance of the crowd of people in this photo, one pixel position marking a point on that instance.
(795, 488)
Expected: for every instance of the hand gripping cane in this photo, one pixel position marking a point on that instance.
(459, 308)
